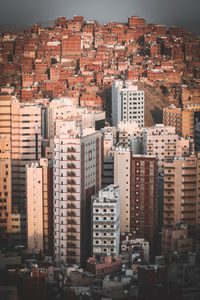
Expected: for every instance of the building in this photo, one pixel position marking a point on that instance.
(128, 243)
(138, 192)
(39, 195)
(163, 142)
(65, 109)
(184, 119)
(108, 170)
(143, 197)
(77, 161)
(106, 265)
(26, 146)
(181, 193)
(9, 220)
(127, 103)
(105, 221)
(176, 240)
(122, 165)
(110, 138)
(129, 131)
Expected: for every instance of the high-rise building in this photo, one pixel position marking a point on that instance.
(105, 221)
(127, 103)
(163, 142)
(122, 165)
(39, 195)
(77, 164)
(184, 119)
(181, 193)
(9, 220)
(136, 176)
(143, 197)
(26, 146)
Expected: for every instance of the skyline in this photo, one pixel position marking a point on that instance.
(26, 12)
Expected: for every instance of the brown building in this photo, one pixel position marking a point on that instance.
(181, 193)
(143, 196)
(106, 265)
(183, 119)
(176, 239)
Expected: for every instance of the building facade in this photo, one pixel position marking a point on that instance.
(181, 193)
(105, 221)
(127, 103)
(39, 195)
(78, 164)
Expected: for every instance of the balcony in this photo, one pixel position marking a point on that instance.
(71, 214)
(71, 205)
(71, 229)
(71, 221)
(71, 237)
(71, 190)
(71, 197)
(71, 181)
(71, 174)
(71, 157)
(71, 245)
(71, 166)
(71, 253)
(71, 149)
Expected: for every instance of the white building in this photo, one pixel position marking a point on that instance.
(127, 103)
(65, 109)
(77, 176)
(129, 131)
(105, 218)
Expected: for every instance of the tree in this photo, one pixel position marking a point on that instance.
(165, 90)
(53, 61)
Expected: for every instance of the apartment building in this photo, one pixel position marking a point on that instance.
(143, 197)
(26, 138)
(77, 161)
(176, 239)
(65, 109)
(181, 193)
(136, 176)
(127, 103)
(105, 221)
(184, 119)
(163, 142)
(122, 177)
(129, 131)
(39, 195)
(9, 220)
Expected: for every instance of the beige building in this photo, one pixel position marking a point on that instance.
(9, 220)
(77, 161)
(26, 146)
(163, 142)
(39, 195)
(184, 119)
(181, 193)
(129, 130)
(122, 177)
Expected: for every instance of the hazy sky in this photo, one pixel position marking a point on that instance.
(177, 12)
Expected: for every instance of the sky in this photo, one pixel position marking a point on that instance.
(185, 13)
